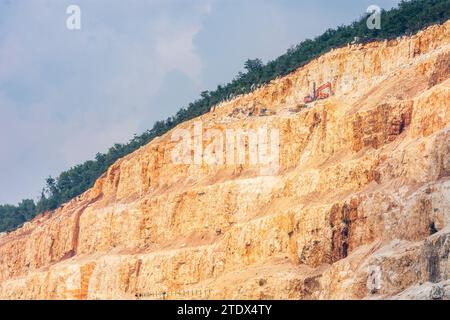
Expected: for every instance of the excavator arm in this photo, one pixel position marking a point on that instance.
(322, 95)
(319, 94)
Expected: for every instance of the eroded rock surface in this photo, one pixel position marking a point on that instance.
(360, 206)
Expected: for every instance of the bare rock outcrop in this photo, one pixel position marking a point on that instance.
(358, 208)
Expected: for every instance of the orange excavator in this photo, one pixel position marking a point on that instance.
(319, 94)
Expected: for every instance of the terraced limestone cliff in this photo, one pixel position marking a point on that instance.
(358, 208)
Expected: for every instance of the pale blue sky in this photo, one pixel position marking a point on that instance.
(66, 95)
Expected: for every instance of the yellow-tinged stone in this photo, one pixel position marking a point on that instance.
(360, 207)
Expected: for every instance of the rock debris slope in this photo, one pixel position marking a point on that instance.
(360, 206)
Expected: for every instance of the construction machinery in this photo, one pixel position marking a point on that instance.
(319, 93)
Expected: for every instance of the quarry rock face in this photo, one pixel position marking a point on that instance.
(357, 208)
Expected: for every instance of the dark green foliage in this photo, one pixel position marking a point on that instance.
(408, 18)
(13, 216)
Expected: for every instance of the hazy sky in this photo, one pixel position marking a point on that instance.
(66, 95)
